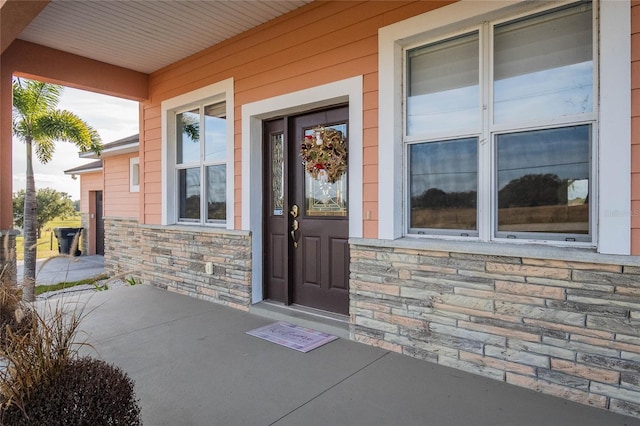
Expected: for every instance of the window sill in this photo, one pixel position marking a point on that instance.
(197, 228)
(536, 251)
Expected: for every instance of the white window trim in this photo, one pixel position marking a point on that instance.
(253, 114)
(613, 179)
(133, 161)
(217, 92)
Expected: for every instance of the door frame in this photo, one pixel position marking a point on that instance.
(253, 114)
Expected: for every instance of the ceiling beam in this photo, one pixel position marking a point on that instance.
(15, 16)
(42, 63)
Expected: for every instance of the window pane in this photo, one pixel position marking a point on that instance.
(189, 183)
(544, 66)
(188, 137)
(135, 174)
(443, 180)
(215, 138)
(216, 192)
(442, 93)
(543, 180)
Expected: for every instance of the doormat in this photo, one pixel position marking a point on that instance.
(292, 336)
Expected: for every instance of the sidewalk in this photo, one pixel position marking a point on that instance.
(194, 364)
(65, 268)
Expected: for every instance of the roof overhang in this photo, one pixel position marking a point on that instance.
(135, 35)
(111, 152)
(93, 167)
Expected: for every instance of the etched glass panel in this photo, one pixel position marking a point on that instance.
(277, 173)
(324, 198)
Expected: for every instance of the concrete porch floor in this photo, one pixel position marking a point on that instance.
(193, 364)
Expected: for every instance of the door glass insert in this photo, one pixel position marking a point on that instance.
(323, 198)
(277, 173)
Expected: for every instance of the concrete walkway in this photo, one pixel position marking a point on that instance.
(193, 364)
(65, 268)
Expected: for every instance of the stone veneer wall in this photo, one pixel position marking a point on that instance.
(87, 232)
(174, 258)
(569, 328)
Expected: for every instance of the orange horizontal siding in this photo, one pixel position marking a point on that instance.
(118, 200)
(89, 182)
(320, 43)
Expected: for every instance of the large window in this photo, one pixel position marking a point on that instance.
(499, 129)
(201, 155)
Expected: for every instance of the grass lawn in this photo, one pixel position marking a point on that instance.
(47, 244)
(51, 287)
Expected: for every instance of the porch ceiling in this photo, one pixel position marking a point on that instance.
(147, 35)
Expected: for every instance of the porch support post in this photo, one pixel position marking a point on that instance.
(7, 234)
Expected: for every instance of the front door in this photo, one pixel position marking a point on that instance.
(306, 250)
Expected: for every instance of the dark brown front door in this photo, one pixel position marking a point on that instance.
(306, 250)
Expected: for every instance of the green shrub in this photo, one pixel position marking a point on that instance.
(85, 391)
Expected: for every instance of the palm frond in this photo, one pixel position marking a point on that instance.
(67, 127)
(34, 98)
(44, 149)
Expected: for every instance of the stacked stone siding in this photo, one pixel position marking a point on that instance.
(174, 258)
(563, 327)
(87, 233)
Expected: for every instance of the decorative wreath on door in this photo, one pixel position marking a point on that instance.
(324, 154)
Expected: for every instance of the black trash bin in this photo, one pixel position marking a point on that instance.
(66, 237)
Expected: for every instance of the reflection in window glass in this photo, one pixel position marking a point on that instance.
(188, 137)
(443, 86)
(215, 128)
(443, 182)
(543, 180)
(216, 192)
(544, 66)
(189, 187)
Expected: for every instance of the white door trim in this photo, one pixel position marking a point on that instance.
(253, 114)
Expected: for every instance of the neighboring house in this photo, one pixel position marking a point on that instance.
(116, 179)
(488, 219)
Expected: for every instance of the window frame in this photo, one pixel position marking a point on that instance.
(611, 226)
(200, 98)
(133, 170)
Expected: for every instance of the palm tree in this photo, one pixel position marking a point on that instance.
(38, 123)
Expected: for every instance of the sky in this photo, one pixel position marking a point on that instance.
(113, 118)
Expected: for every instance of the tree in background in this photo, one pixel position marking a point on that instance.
(50, 204)
(39, 124)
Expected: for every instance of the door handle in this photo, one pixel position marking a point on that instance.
(294, 228)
